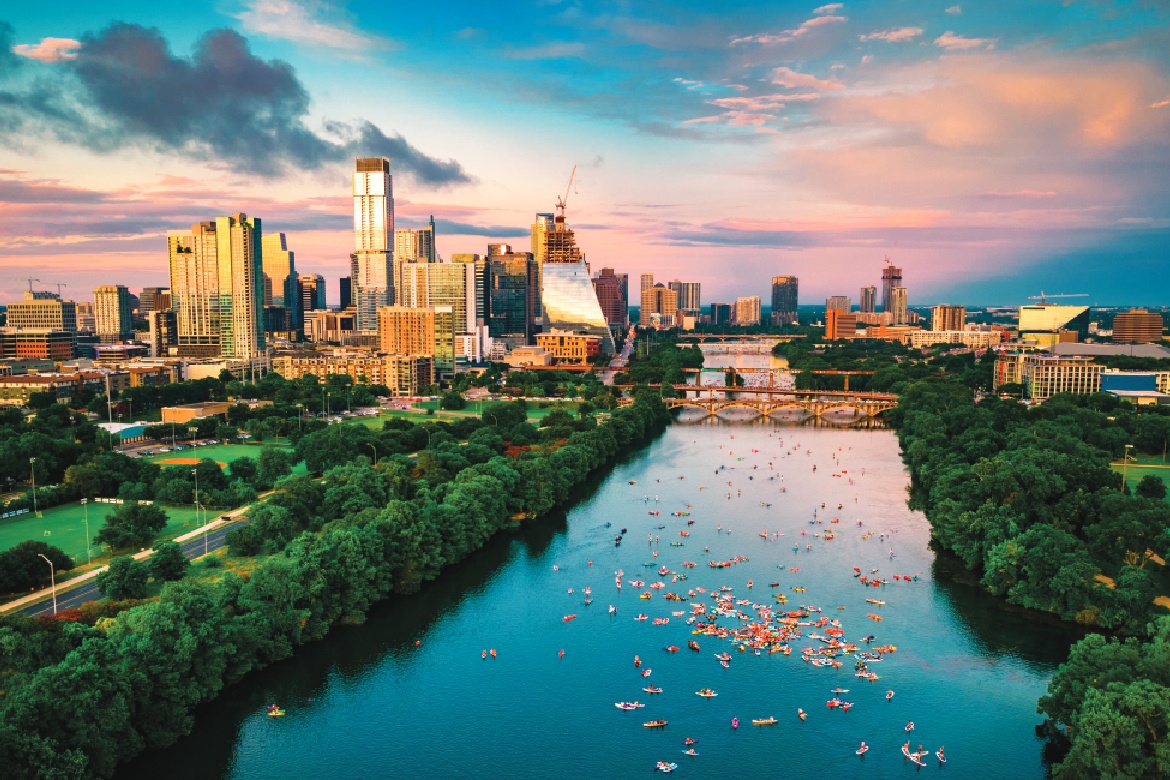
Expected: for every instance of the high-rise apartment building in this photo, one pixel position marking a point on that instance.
(1137, 326)
(217, 287)
(947, 317)
(647, 283)
(429, 332)
(310, 293)
(838, 302)
(747, 310)
(899, 305)
(868, 299)
(891, 278)
(784, 297)
(43, 310)
(371, 264)
(511, 295)
(154, 299)
(660, 300)
(426, 285)
(111, 313)
(345, 292)
(688, 297)
(280, 273)
(722, 313)
(613, 295)
(478, 268)
(162, 327)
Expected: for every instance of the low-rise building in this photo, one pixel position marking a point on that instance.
(1044, 375)
(403, 374)
(569, 347)
(975, 339)
(184, 413)
(524, 357)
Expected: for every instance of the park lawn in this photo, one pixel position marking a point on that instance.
(64, 526)
(1134, 473)
(223, 453)
(475, 408)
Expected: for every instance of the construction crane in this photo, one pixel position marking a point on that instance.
(1043, 299)
(30, 281)
(563, 200)
(59, 286)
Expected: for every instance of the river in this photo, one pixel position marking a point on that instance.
(368, 702)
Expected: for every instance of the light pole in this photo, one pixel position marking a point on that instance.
(300, 417)
(198, 507)
(194, 441)
(52, 579)
(375, 449)
(1125, 467)
(85, 504)
(322, 400)
(32, 468)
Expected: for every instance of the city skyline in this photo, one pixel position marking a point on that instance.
(990, 153)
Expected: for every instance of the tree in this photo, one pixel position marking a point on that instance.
(168, 562)
(125, 578)
(132, 525)
(227, 433)
(273, 464)
(452, 400)
(1151, 486)
(244, 468)
(22, 567)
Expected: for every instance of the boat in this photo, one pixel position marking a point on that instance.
(633, 482)
(706, 693)
(764, 721)
(671, 648)
(693, 645)
(646, 672)
(652, 689)
(275, 712)
(909, 726)
(567, 618)
(676, 544)
(691, 752)
(628, 705)
(663, 766)
(640, 617)
(941, 758)
(689, 741)
(735, 723)
(655, 724)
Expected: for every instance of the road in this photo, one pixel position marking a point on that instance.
(87, 591)
(619, 362)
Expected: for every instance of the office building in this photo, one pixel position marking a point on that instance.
(511, 295)
(426, 285)
(899, 305)
(1044, 375)
(784, 297)
(570, 302)
(1046, 324)
(43, 310)
(840, 324)
(336, 327)
(660, 300)
(1137, 326)
(371, 264)
(111, 312)
(163, 329)
(311, 293)
(154, 299)
(839, 302)
(86, 321)
(345, 293)
(647, 283)
(280, 274)
(429, 332)
(722, 313)
(477, 267)
(688, 297)
(569, 348)
(613, 295)
(891, 278)
(947, 317)
(747, 310)
(217, 287)
(868, 300)
(26, 343)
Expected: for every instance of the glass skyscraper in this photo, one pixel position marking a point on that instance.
(570, 302)
(373, 227)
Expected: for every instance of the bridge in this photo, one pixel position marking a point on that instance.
(767, 400)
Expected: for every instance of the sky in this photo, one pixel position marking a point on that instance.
(991, 149)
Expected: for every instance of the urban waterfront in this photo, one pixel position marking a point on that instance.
(368, 701)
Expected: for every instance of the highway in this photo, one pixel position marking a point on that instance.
(87, 591)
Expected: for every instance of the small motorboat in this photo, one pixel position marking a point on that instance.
(693, 645)
(640, 617)
(652, 689)
(764, 721)
(646, 672)
(655, 724)
(735, 723)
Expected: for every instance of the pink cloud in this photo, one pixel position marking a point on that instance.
(49, 49)
(1160, 104)
(790, 35)
(756, 103)
(1024, 194)
(829, 9)
(786, 77)
(896, 35)
(952, 42)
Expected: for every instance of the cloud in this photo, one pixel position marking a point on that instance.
(1019, 194)
(791, 35)
(952, 42)
(1160, 104)
(897, 35)
(786, 77)
(829, 9)
(127, 90)
(49, 49)
(955, 10)
(549, 51)
(305, 22)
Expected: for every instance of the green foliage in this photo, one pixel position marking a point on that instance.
(452, 400)
(132, 525)
(22, 567)
(1151, 486)
(274, 463)
(125, 578)
(168, 563)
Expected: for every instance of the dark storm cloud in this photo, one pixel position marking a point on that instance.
(222, 103)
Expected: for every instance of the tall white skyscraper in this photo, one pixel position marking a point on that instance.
(371, 264)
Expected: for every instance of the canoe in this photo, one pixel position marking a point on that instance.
(654, 724)
(764, 721)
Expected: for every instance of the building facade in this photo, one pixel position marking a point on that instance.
(569, 347)
(722, 313)
(613, 295)
(477, 267)
(1137, 326)
(43, 310)
(1044, 375)
(371, 264)
(511, 296)
(111, 312)
(947, 317)
(975, 339)
(405, 375)
(429, 331)
(891, 279)
(570, 302)
(657, 300)
(899, 306)
(838, 302)
(868, 299)
(747, 310)
(688, 297)
(163, 329)
(840, 324)
(1046, 324)
(785, 291)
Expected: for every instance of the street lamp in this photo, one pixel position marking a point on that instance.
(85, 503)
(300, 417)
(375, 449)
(194, 441)
(198, 507)
(32, 468)
(1125, 467)
(52, 579)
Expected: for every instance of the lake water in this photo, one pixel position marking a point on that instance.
(368, 703)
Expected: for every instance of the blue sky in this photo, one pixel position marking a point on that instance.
(990, 149)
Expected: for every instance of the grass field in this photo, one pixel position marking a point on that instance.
(1135, 472)
(64, 526)
(224, 453)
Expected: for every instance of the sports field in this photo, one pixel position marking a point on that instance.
(1145, 465)
(224, 454)
(64, 526)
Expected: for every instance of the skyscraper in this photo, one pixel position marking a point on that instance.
(946, 317)
(613, 295)
(217, 287)
(427, 285)
(784, 297)
(111, 311)
(899, 305)
(647, 283)
(722, 313)
(478, 267)
(373, 227)
(660, 300)
(280, 280)
(838, 302)
(540, 229)
(345, 291)
(747, 310)
(154, 299)
(570, 302)
(891, 278)
(311, 293)
(511, 297)
(688, 296)
(868, 299)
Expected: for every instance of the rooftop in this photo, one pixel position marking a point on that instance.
(1096, 350)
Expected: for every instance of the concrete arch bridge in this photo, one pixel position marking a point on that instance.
(765, 401)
